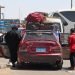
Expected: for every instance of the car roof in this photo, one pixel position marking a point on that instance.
(65, 10)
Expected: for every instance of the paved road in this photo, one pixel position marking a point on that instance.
(34, 69)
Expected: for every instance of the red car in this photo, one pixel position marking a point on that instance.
(40, 47)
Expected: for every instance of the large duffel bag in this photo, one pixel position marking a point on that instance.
(35, 17)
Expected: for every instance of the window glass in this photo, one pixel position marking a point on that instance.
(70, 15)
(62, 19)
(39, 36)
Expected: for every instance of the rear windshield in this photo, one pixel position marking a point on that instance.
(39, 36)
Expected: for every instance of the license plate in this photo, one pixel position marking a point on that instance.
(40, 49)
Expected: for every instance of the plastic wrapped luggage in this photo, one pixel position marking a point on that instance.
(34, 21)
(35, 17)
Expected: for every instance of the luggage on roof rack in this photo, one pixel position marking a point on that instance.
(35, 17)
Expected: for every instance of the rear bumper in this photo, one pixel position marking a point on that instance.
(40, 58)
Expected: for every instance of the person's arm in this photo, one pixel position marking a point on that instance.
(69, 40)
(19, 37)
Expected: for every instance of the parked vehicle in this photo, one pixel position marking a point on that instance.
(40, 47)
(55, 24)
(68, 21)
(1, 50)
(67, 17)
(5, 50)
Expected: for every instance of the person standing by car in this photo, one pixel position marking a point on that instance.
(71, 41)
(12, 39)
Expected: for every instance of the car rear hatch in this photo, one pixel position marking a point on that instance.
(42, 42)
(45, 47)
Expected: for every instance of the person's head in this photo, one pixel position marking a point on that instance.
(14, 28)
(72, 30)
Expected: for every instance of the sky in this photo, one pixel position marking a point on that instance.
(21, 8)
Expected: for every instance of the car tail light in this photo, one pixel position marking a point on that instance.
(55, 48)
(23, 46)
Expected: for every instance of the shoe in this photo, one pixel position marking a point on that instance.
(71, 68)
(13, 65)
(9, 64)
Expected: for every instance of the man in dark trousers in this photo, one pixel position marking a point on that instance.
(12, 39)
(71, 41)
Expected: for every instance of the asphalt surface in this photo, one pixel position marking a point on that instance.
(34, 69)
